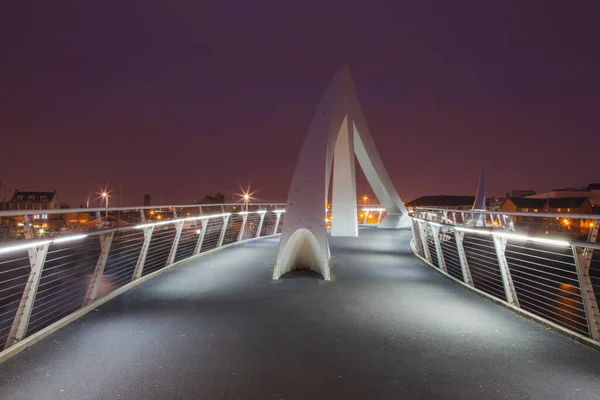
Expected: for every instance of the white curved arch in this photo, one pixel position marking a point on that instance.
(302, 251)
(337, 135)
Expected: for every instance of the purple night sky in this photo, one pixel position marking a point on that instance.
(195, 97)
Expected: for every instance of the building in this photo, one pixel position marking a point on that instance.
(562, 206)
(520, 193)
(34, 201)
(591, 192)
(147, 200)
(443, 201)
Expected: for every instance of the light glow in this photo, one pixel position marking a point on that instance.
(526, 238)
(69, 238)
(515, 236)
(36, 243)
(24, 246)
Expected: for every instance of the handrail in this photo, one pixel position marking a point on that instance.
(514, 213)
(547, 278)
(16, 213)
(44, 280)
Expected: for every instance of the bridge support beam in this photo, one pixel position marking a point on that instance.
(590, 303)
(243, 228)
(175, 244)
(423, 235)
(435, 231)
(260, 224)
(18, 329)
(277, 223)
(344, 209)
(198, 247)
(223, 230)
(139, 266)
(464, 265)
(507, 282)
(94, 285)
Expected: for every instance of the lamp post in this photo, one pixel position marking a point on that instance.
(104, 195)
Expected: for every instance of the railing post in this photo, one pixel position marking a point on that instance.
(139, 266)
(277, 223)
(365, 219)
(32, 251)
(379, 217)
(418, 242)
(243, 228)
(435, 231)
(178, 230)
(507, 282)
(590, 303)
(198, 248)
(94, 285)
(99, 220)
(423, 235)
(464, 265)
(18, 329)
(260, 224)
(142, 216)
(222, 236)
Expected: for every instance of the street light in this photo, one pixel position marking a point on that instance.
(365, 198)
(246, 197)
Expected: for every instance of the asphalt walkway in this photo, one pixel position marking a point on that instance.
(386, 327)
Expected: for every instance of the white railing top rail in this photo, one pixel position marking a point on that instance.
(513, 213)
(16, 213)
(61, 238)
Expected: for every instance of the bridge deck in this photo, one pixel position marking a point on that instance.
(386, 327)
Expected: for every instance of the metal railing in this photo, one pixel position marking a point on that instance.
(45, 278)
(529, 264)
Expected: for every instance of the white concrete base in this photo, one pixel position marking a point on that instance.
(302, 251)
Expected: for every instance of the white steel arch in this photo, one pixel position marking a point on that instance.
(337, 133)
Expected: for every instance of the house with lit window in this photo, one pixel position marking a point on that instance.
(562, 206)
(34, 201)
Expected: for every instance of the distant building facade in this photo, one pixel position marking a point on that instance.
(562, 206)
(147, 200)
(34, 201)
(519, 193)
(591, 192)
(442, 201)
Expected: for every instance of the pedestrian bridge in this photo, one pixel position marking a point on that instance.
(203, 302)
(216, 325)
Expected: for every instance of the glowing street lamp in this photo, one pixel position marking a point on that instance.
(105, 195)
(365, 198)
(246, 196)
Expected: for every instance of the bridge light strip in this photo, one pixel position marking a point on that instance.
(36, 243)
(515, 236)
(69, 238)
(173, 221)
